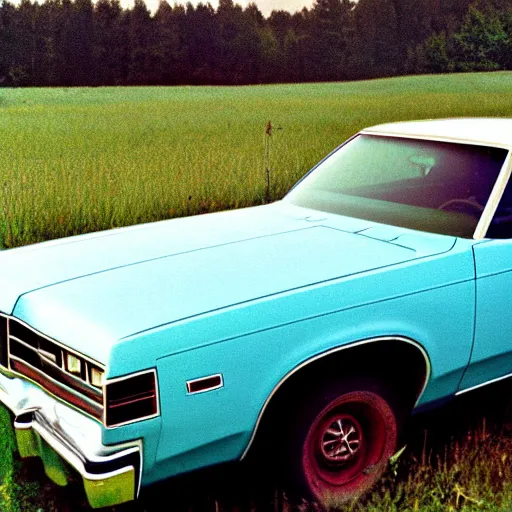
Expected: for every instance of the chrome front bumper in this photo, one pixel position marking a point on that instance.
(48, 428)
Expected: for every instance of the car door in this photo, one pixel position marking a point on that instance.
(491, 358)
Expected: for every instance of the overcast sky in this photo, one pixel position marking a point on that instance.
(265, 6)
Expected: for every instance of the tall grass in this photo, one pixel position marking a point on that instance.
(81, 160)
(472, 474)
(15, 495)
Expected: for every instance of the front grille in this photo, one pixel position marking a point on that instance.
(58, 369)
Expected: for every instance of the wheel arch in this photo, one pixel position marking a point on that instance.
(390, 349)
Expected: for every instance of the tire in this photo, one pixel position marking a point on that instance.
(344, 436)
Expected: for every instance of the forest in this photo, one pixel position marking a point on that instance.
(81, 43)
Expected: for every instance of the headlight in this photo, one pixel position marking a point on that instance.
(97, 377)
(73, 364)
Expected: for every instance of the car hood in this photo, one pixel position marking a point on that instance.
(45, 264)
(91, 292)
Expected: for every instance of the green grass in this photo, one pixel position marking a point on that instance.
(472, 474)
(81, 160)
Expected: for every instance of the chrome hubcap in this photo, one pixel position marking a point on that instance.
(341, 440)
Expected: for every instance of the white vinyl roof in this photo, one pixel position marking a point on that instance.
(494, 131)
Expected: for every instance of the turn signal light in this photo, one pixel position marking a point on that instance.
(131, 398)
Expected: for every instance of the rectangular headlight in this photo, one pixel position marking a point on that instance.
(73, 364)
(97, 377)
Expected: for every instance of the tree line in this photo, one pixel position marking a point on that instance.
(81, 43)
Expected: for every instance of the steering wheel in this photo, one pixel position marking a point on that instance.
(462, 205)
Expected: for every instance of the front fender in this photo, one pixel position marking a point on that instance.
(217, 426)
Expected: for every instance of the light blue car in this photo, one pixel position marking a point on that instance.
(309, 328)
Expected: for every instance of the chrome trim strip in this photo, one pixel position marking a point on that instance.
(7, 334)
(24, 343)
(129, 376)
(126, 377)
(87, 378)
(47, 356)
(332, 351)
(141, 450)
(494, 199)
(462, 391)
(193, 381)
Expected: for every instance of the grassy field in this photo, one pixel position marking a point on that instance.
(80, 160)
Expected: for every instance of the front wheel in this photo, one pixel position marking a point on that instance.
(345, 437)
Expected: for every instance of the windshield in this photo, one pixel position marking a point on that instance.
(439, 187)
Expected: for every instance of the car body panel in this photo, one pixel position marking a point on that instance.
(268, 330)
(492, 354)
(40, 265)
(184, 285)
(295, 306)
(232, 411)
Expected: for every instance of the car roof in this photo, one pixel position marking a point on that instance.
(493, 131)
